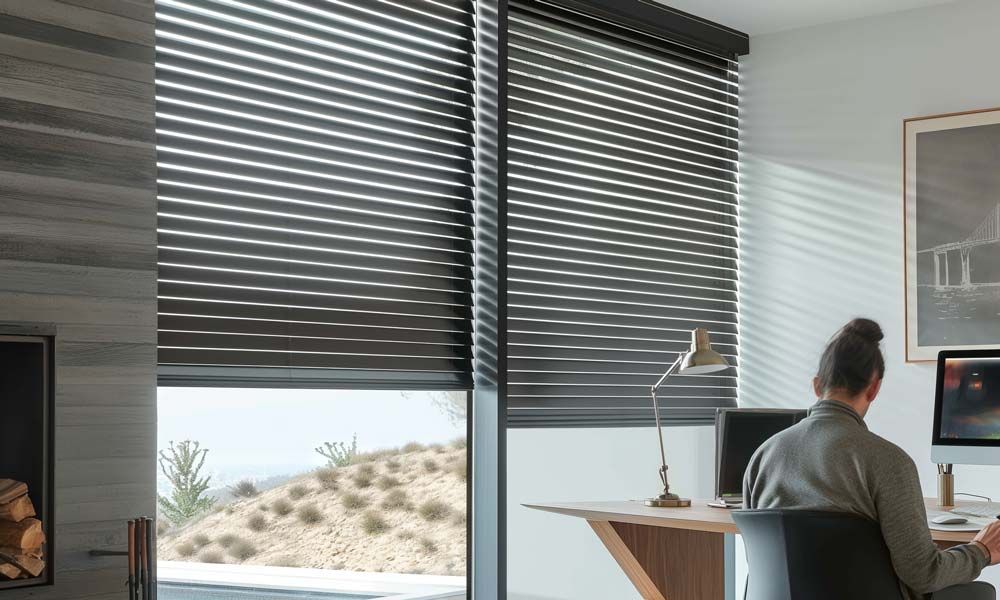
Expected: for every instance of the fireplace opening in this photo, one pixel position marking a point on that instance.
(26, 460)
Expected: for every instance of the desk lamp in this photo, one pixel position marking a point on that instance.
(701, 359)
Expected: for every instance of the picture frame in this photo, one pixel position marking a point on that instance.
(951, 216)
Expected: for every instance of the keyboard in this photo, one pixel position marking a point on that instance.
(982, 510)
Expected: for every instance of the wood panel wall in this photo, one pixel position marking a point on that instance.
(78, 250)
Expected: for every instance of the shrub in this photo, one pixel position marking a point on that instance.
(459, 519)
(181, 464)
(230, 510)
(427, 545)
(242, 550)
(372, 523)
(327, 478)
(284, 561)
(406, 534)
(257, 523)
(368, 457)
(430, 465)
(185, 549)
(362, 480)
(460, 470)
(162, 527)
(352, 501)
(387, 482)
(413, 447)
(309, 514)
(393, 465)
(434, 510)
(297, 491)
(227, 539)
(365, 469)
(210, 556)
(438, 448)
(396, 500)
(459, 443)
(338, 454)
(201, 540)
(243, 489)
(281, 507)
(263, 507)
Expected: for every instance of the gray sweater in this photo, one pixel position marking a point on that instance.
(830, 461)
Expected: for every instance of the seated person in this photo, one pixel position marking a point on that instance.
(830, 461)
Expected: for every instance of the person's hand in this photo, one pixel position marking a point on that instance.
(989, 537)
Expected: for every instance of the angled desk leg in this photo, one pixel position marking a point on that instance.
(668, 564)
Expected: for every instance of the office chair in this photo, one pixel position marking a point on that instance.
(804, 554)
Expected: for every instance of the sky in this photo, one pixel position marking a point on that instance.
(259, 433)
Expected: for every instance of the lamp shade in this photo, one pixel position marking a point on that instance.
(702, 359)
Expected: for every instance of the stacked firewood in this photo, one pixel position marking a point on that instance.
(21, 535)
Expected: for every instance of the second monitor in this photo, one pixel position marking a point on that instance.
(738, 434)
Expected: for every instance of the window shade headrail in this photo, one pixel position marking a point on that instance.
(315, 192)
(623, 219)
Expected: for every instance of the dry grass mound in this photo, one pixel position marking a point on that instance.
(399, 511)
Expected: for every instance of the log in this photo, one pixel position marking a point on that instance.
(17, 510)
(33, 552)
(11, 489)
(23, 535)
(20, 565)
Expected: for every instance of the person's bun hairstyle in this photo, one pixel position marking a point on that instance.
(864, 328)
(852, 358)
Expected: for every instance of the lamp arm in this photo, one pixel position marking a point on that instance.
(669, 372)
(659, 429)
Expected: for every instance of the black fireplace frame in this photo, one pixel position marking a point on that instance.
(45, 334)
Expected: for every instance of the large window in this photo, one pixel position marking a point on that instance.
(526, 203)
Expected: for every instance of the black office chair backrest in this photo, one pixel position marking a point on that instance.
(812, 555)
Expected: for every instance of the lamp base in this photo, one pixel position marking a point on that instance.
(675, 502)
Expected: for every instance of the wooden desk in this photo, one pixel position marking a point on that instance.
(677, 553)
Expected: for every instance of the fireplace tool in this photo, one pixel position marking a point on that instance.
(141, 555)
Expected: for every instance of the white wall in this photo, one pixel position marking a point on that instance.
(554, 557)
(822, 198)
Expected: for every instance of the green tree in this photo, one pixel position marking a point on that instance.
(339, 454)
(182, 464)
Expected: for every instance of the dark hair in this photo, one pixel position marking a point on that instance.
(852, 357)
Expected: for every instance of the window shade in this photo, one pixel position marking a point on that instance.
(315, 192)
(622, 220)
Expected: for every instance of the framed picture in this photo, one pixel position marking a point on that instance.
(951, 189)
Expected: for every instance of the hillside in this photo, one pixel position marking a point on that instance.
(397, 511)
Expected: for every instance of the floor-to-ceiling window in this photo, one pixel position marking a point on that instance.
(316, 256)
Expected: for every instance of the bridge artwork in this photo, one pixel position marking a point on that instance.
(988, 232)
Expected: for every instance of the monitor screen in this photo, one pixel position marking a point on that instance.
(968, 400)
(740, 433)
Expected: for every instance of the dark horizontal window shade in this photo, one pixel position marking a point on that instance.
(315, 192)
(623, 220)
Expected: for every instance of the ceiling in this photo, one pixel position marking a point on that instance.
(757, 17)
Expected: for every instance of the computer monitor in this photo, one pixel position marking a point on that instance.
(967, 408)
(738, 434)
